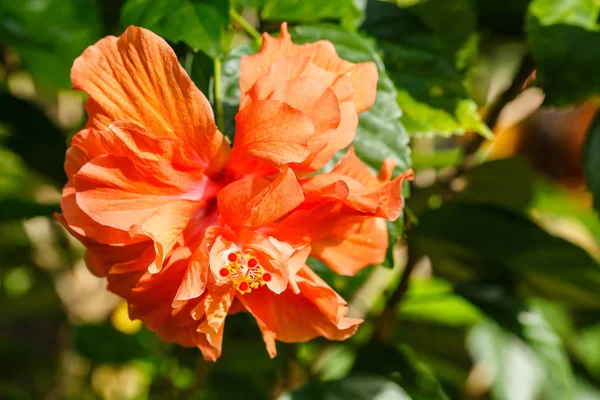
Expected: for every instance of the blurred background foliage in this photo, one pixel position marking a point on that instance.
(492, 289)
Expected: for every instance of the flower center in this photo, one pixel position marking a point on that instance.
(244, 271)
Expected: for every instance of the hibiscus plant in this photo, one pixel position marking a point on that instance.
(212, 199)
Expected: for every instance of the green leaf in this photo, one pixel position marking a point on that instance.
(200, 68)
(468, 241)
(402, 366)
(438, 15)
(426, 297)
(49, 35)
(104, 344)
(230, 81)
(561, 34)
(13, 208)
(511, 363)
(529, 324)
(351, 388)
(309, 11)
(591, 160)
(506, 183)
(380, 134)
(426, 64)
(197, 23)
(33, 137)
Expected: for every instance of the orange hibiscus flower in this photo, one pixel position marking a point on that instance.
(188, 230)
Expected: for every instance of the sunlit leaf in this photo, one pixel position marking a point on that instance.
(197, 23)
(561, 34)
(309, 11)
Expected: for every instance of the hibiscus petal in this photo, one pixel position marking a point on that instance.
(196, 275)
(366, 193)
(333, 229)
(360, 247)
(272, 131)
(255, 202)
(137, 78)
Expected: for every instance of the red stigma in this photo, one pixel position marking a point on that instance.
(223, 272)
(252, 263)
(243, 286)
(232, 257)
(266, 277)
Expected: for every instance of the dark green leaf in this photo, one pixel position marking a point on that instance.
(439, 15)
(422, 60)
(33, 137)
(20, 208)
(351, 388)
(309, 11)
(197, 23)
(503, 17)
(506, 183)
(468, 241)
(561, 35)
(401, 366)
(104, 344)
(49, 35)
(591, 160)
(200, 68)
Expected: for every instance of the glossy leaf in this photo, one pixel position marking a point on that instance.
(197, 23)
(565, 30)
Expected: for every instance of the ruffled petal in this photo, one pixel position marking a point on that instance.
(344, 240)
(255, 202)
(352, 183)
(317, 310)
(364, 243)
(137, 78)
(272, 132)
(321, 53)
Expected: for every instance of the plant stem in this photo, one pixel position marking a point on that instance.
(218, 93)
(249, 29)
